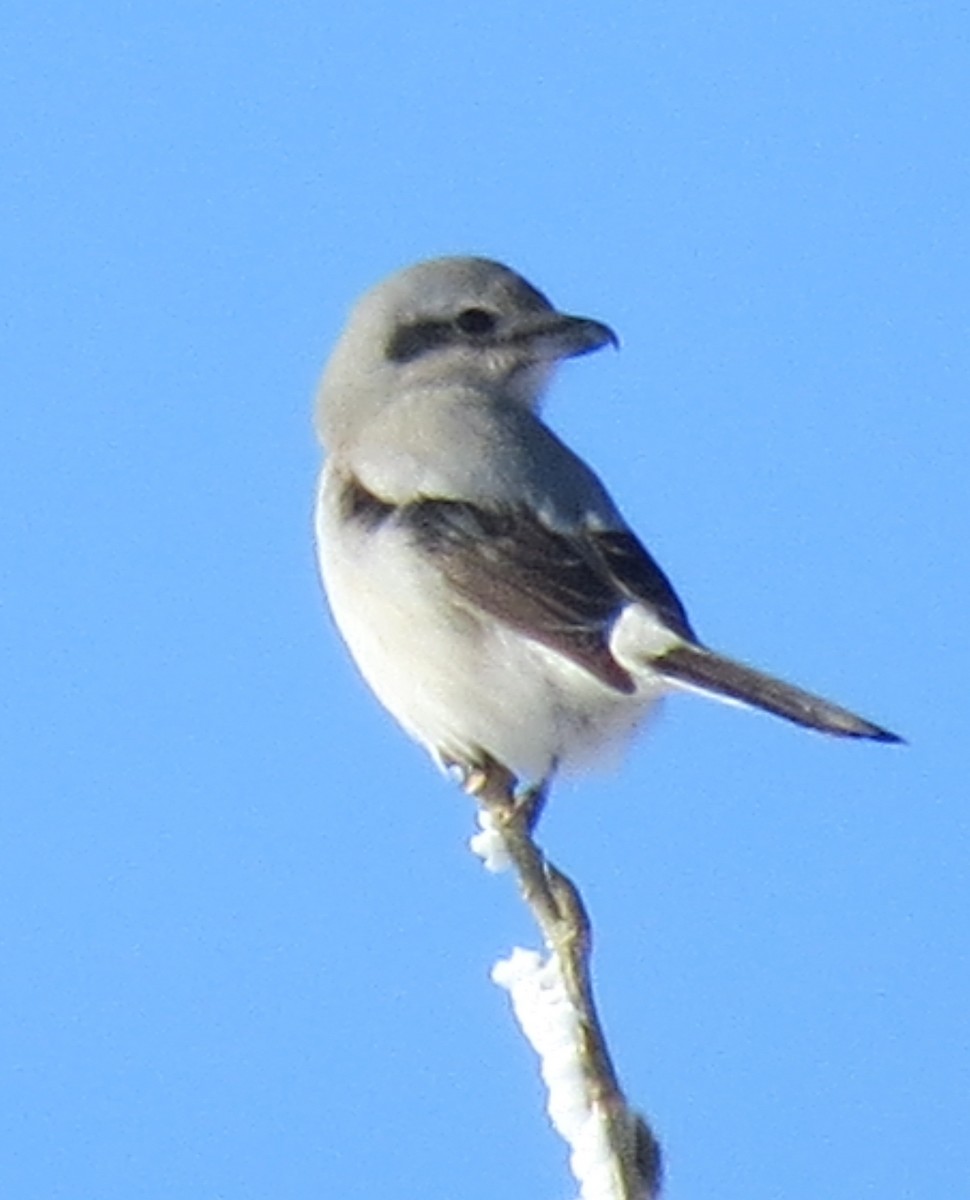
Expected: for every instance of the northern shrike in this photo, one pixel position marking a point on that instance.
(490, 591)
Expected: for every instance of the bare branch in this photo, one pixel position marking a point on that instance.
(615, 1154)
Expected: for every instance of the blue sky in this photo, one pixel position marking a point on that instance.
(244, 951)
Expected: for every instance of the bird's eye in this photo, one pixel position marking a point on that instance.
(475, 321)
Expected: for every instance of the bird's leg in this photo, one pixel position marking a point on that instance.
(531, 802)
(487, 781)
(490, 783)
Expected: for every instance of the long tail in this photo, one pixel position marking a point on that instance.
(696, 667)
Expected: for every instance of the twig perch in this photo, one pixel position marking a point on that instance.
(615, 1154)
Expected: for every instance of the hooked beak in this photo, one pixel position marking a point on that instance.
(561, 336)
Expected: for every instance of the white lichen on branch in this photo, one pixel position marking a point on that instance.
(542, 1008)
(489, 845)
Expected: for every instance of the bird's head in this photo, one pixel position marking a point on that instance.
(451, 322)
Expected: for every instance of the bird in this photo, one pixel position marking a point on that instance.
(490, 591)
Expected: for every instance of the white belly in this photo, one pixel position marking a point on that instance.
(456, 680)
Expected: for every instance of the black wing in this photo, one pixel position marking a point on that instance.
(562, 590)
(641, 577)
